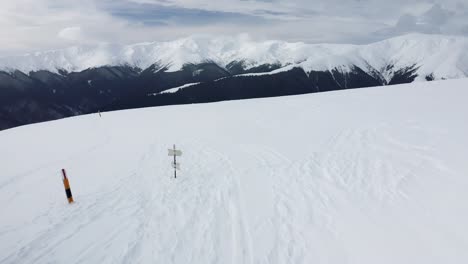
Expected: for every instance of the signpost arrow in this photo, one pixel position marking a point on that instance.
(176, 166)
(173, 152)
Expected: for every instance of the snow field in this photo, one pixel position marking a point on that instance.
(361, 176)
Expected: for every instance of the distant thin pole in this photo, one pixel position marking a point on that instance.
(175, 163)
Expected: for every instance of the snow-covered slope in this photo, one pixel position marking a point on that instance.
(173, 90)
(357, 176)
(443, 56)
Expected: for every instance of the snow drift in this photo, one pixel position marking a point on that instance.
(359, 176)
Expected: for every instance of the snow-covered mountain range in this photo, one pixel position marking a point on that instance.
(442, 56)
(48, 85)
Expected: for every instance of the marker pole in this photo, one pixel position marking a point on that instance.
(66, 184)
(175, 163)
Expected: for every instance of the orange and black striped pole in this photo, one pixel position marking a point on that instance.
(66, 184)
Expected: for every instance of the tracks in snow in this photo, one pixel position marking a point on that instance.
(218, 210)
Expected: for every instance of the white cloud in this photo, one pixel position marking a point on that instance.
(71, 34)
(30, 25)
(435, 20)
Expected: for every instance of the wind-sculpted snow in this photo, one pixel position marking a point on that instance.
(442, 56)
(357, 176)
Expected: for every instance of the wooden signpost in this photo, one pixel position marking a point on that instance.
(176, 153)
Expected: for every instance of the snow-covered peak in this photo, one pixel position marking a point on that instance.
(441, 55)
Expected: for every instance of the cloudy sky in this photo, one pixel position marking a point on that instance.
(34, 25)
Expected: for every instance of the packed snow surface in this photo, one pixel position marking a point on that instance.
(360, 176)
(442, 56)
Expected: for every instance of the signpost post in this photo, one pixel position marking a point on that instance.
(174, 152)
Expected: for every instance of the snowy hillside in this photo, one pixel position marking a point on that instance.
(359, 176)
(442, 56)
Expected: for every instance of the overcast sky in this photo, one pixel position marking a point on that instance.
(34, 25)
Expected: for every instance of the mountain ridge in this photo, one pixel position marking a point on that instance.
(436, 54)
(218, 69)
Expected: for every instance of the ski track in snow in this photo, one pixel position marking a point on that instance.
(355, 194)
